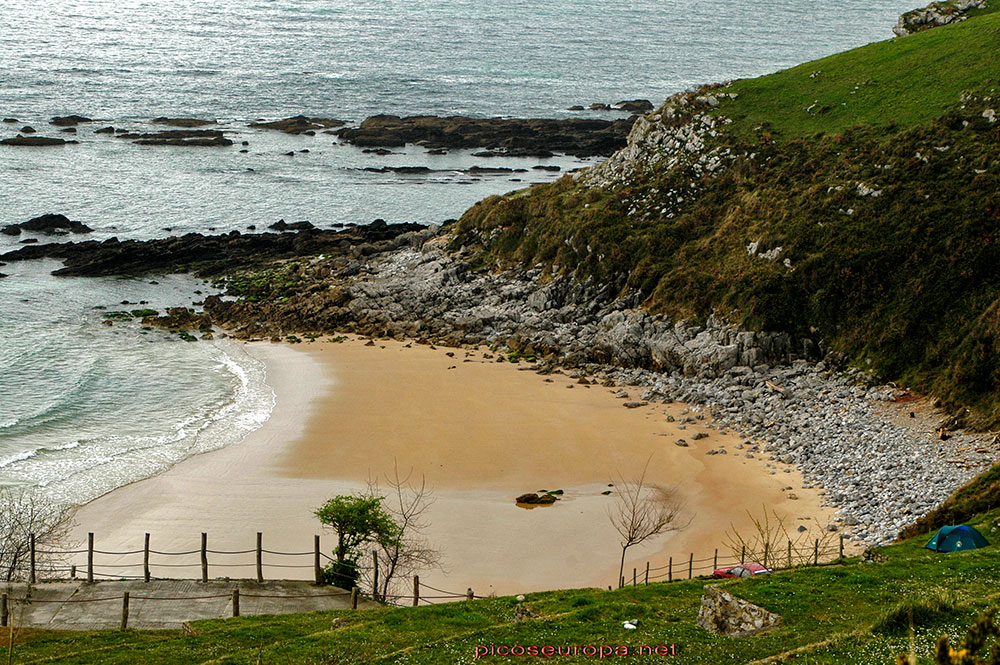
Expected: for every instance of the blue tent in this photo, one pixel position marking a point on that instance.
(956, 539)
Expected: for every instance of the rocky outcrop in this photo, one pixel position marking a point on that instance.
(300, 124)
(676, 135)
(935, 15)
(206, 255)
(69, 120)
(35, 141)
(723, 613)
(184, 123)
(49, 224)
(511, 136)
(179, 137)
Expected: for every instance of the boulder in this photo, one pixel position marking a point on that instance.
(282, 225)
(179, 137)
(725, 614)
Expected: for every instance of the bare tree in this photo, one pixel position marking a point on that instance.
(771, 544)
(643, 511)
(407, 502)
(23, 513)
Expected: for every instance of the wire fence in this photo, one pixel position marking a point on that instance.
(771, 556)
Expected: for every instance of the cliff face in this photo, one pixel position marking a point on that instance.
(853, 200)
(935, 15)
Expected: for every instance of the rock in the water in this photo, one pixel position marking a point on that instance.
(27, 129)
(69, 120)
(35, 141)
(179, 137)
(10, 121)
(282, 225)
(299, 124)
(11, 230)
(635, 106)
(187, 123)
(501, 136)
(49, 223)
(105, 130)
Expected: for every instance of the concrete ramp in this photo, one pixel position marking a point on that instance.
(163, 604)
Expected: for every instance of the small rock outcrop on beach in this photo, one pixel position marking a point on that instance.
(935, 15)
(513, 136)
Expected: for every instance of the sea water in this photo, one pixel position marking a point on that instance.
(86, 407)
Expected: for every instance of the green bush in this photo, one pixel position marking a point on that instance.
(343, 574)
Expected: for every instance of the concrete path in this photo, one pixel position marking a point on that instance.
(163, 604)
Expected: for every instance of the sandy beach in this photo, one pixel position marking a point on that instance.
(480, 433)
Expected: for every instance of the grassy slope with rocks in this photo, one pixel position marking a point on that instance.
(851, 613)
(874, 171)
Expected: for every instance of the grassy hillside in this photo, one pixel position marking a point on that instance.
(852, 613)
(979, 495)
(878, 178)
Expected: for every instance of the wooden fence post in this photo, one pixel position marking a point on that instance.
(670, 570)
(766, 547)
(236, 602)
(816, 552)
(31, 548)
(204, 557)
(743, 555)
(416, 590)
(789, 553)
(318, 571)
(4, 612)
(125, 610)
(634, 577)
(260, 556)
(841, 548)
(90, 557)
(715, 560)
(72, 572)
(469, 595)
(145, 559)
(375, 575)
(691, 566)
(647, 573)
(354, 598)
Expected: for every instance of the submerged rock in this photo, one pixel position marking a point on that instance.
(183, 122)
(49, 224)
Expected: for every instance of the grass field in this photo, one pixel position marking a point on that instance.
(852, 613)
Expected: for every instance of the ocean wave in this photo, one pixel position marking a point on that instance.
(104, 463)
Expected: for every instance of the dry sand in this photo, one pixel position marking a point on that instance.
(479, 433)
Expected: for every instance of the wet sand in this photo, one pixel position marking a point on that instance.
(479, 433)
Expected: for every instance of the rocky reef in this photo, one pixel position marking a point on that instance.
(509, 136)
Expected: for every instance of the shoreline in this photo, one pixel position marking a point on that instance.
(419, 406)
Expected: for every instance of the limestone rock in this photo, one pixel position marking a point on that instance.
(725, 614)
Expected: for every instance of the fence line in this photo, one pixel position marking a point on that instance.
(792, 556)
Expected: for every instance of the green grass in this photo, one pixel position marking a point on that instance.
(851, 613)
(898, 82)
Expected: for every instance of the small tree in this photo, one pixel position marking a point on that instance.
(357, 520)
(769, 542)
(409, 551)
(24, 512)
(641, 512)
